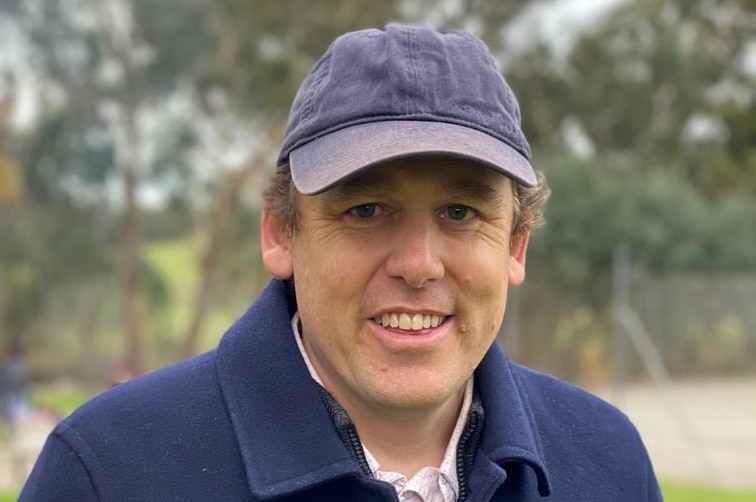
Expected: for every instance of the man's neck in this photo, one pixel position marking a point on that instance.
(400, 441)
(406, 441)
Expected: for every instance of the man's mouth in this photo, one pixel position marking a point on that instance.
(410, 322)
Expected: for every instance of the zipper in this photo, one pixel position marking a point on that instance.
(466, 449)
(346, 430)
(469, 443)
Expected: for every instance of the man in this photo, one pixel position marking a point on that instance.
(367, 369)
(13, 403)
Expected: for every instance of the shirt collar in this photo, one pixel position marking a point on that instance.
(302, 351)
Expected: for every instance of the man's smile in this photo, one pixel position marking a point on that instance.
(409, 321)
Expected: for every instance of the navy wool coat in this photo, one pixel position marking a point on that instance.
(246, 422)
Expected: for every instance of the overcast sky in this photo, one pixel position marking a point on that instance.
(558, 20)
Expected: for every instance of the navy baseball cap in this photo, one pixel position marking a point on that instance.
(406, 91)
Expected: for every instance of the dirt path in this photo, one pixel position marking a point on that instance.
(17, 454)
(701, 431)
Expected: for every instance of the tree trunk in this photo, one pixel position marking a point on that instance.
(117, 39)
(132, 228)
(212, 251)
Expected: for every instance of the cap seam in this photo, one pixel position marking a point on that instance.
(409, 64)
(317, 83)
(424, 117)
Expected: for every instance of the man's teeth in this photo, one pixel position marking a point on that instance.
(410, 322)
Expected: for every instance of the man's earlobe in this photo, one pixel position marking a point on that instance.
(518, 248)
(275, 243)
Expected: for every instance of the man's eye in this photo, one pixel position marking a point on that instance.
(365, 210)
(457, 212)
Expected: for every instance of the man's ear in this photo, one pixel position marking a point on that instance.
(518, 248)
(275, 243)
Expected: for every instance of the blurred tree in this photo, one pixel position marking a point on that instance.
(666, 226)
(671, 83)
(95, 92)
(658, 100)
(11, 184)
(10, 181)
(41, 250)
(217, 75)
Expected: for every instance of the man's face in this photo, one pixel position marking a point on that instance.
(401, 279)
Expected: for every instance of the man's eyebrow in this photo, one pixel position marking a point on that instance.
(476, 190)
(361, 187)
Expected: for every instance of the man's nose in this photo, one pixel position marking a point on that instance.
(415, 254)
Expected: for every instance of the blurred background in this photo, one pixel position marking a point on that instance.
(136, 137)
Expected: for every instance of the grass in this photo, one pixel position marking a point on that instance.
(679, 492)
(176, 260)
(60, 401)
(673, 492)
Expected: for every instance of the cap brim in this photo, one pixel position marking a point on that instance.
(331, 159)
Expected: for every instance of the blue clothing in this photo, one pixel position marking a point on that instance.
(245, 422)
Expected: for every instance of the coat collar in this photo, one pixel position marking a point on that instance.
(511, 433)
(285, 435)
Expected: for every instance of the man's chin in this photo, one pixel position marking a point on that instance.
(415, 397)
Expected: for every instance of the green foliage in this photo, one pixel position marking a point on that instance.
(662, 222)
(41, 252)
(667, 82)
(56, 234)
(69, 155)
